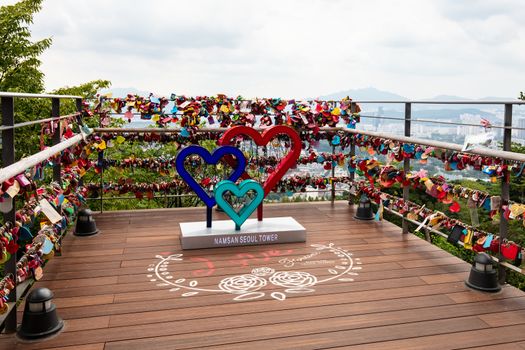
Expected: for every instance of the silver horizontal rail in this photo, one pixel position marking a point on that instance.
(191, 195)
(455, 102)
(40, 121)
(37, 158)
(25, 95)
(430, 102)
(418, 120)
(430, 229)
(178, 130)
(518, 157)
(152, 130)
(441, 122)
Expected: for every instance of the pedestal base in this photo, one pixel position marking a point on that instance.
(195, 235)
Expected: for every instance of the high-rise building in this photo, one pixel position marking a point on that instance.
(520, 134)
(380, 113)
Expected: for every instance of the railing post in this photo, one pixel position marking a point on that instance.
(503, 223)
(57, 137)
(352, 154)
(101, 164)
(8, 158)
(406, 162)
(78, 104)
(333, 176)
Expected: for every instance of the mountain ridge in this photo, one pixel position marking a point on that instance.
(368, 93)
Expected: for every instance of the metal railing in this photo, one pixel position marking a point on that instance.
(12, 168)
(216, 130)
(504, 154)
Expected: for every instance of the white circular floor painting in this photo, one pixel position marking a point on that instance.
(279, 281)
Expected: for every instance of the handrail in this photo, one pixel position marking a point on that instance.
(441, 102)
(178, 130)
(430, 229)
(40, 121)
(441, 122)
(518, 157)
(155, 130)
(453, 102)
(37, 158)
(25, 95)
(13, 168)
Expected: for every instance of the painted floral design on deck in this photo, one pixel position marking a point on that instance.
(294, 281)
(264, 280)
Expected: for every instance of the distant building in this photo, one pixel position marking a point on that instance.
(520, 134)
(377, 121)
(468, 118)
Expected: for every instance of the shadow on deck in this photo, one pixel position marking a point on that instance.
(352, 284)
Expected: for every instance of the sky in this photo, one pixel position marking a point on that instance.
(287, 48)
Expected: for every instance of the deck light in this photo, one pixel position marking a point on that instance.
(86, 225)
(483, 276)
(40, 317)
(364, 210)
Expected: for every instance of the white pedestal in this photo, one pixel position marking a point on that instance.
(195, 235)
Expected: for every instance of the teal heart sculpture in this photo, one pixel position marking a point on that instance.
(239, 191)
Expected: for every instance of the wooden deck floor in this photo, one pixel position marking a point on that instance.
(351, 285)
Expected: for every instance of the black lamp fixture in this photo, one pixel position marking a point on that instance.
(86, 225)
(483, 276)
(40, 317)
(364, 210)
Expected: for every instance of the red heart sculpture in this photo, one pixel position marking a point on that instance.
(261, 140)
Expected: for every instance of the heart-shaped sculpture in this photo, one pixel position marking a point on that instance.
(263, 139)
(209, 158)
(239, 191)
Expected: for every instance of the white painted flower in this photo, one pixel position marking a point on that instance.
(295, 281)
(242, 284)
(262, 271)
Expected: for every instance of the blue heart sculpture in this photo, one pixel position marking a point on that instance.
(209, 158)
(239, 191)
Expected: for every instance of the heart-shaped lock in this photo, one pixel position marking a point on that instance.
(455, 207)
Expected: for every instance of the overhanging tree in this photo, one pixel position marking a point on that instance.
(20, 72)
(19, 61)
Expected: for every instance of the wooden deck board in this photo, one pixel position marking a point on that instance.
(404, 293)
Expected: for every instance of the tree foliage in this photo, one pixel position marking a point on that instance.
(20, 72)
(19, 61)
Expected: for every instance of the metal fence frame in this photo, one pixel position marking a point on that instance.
(12, 168)
(505, 154)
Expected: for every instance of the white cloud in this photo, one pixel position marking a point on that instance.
(288, 48)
